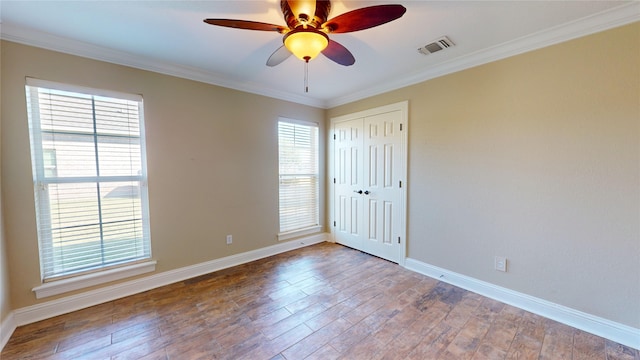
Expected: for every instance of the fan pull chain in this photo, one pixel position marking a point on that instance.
(306, 73)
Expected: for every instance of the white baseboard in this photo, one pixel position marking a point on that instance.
(7, 327)
(71, 303)
(608, 329)
(92, 279)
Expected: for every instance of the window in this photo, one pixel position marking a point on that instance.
(298, 163)
(49, 162)
(89, 174)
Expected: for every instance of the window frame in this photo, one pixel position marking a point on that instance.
(53, 282)
(314, 226)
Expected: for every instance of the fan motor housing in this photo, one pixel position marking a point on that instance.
(314, 20)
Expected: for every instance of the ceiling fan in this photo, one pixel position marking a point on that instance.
(307, 30)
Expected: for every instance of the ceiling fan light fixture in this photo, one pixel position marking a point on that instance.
(306, 44)
(308, 26)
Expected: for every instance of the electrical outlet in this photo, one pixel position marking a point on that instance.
(229, 239)
(500, 263)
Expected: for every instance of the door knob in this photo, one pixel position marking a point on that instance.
(357, 191)
(367, 192)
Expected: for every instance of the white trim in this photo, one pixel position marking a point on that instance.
(7, 327)
(31, 37)
(299, 233)
(609, 19)
(75, 302)
(57, 287)
(608, 329)
(299, 122)
(34, 82)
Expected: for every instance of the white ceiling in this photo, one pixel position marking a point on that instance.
(170, 37)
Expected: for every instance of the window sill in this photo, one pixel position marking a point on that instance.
(298, 233)
(97, 278)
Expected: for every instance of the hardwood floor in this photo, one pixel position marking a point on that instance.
(321, 302)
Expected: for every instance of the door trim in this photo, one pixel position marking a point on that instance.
(403, 107)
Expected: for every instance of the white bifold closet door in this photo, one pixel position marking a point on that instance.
(368, 192)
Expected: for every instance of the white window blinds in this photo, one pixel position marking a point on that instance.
(89, 175)
(298, 160)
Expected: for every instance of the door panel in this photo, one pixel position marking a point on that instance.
(348, 179)
(372, 211)
(368, 196)
(388, 166)
(385, 194)
(373, 164)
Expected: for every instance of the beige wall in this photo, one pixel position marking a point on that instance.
(5, 301)
(536, 158)
(212, 161)
(5, 305)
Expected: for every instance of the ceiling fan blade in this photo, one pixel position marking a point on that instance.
(338, 53)
(278, 56)
(364, 18)
(246, 24)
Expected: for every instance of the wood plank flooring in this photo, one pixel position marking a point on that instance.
(321, 302)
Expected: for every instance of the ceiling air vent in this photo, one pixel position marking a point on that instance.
(440, 44)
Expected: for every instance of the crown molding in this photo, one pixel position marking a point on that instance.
(615, 17)
(618, 16)
(21, 35)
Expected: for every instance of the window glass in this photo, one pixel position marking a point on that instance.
(298, 164)
(89, 177)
